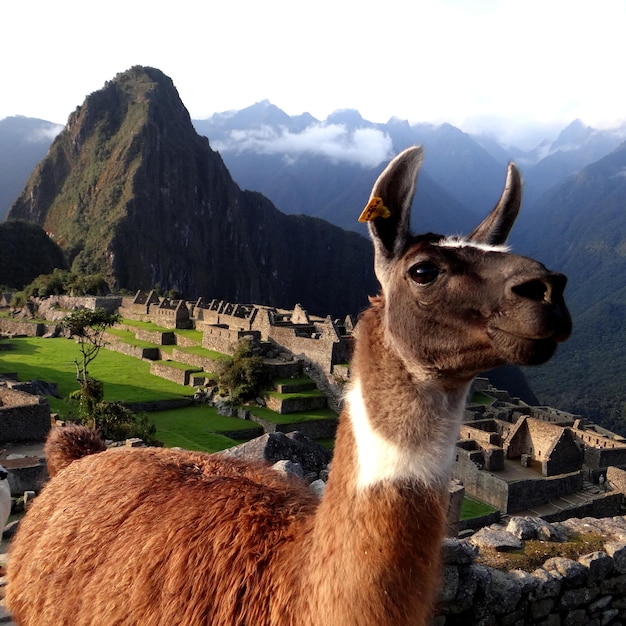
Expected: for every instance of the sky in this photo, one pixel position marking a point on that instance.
(509, 66)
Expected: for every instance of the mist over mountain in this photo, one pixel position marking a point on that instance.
(129, 190)
(24, 141)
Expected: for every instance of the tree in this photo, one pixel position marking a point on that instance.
(89, 328)
(242, 376)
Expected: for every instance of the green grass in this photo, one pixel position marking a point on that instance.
(180, 366)
(190, 333)
(473, 508)
(205, 352)
(128, 337)
(300, 380)
(126, 379)
(309, 393)
(482, 398)
(291, 418)
(147, 326)
(196, 428)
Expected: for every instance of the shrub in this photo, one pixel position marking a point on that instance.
(242, 376)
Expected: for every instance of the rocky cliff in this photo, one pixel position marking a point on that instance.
(130, 190)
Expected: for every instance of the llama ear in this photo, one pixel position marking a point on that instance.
(495, 228)
(389, 209)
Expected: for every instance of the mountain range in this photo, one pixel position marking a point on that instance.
(129, 188)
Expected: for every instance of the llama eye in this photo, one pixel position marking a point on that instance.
(424, 273)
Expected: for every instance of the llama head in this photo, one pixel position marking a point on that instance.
(453, 307)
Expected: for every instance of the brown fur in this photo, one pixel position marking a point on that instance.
(69, 443)
(156, 536)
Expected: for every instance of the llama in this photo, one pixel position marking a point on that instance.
(160, 536)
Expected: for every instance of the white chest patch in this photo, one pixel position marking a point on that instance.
(381, 460)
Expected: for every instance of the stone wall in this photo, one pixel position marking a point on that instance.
(205, 363)
(588, 591)
(155, 336)
(221, 339)
(292, 405)
(599, 458)
(314, 429)
(175, 374)
(525, 494)
(23, 417)
(150, 354)
(29, 329)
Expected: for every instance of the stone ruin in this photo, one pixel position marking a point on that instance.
(537, 460)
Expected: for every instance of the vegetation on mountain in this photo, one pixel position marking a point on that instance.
(61, 282)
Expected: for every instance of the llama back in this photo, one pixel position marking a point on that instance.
(180, 537)
(69, 443)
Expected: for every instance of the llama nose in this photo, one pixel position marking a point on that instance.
(548, 288)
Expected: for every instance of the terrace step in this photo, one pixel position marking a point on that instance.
(177, 372)
(294, 402)
(295, 387)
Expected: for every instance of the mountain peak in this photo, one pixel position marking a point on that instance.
(348, 117)
(574, 134)
(129, 190)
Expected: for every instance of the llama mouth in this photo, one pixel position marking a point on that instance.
(522, 350)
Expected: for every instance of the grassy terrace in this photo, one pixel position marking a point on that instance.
(197, 428)
(291, 418)
(481, 398)
(128, 337)
(146, 326)
(205, 352)
(473, 508)
(179, 366)
(309, 393)
(126, 378)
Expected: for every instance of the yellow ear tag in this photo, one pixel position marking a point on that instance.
(375, 208)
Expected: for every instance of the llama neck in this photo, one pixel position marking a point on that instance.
(405, 425)
(373, 549)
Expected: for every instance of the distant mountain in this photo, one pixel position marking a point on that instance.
(129, 189)
(325, 168)
(321, 168)
(576, 147)
(24, 141)
(26, 251)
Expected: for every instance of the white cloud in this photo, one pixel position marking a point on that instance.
(365, 146)
(45, 133)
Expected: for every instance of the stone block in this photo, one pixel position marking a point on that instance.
(600, 565)
(549, 584)
(574, 573)
(574, 598)
(617, 551)
(497, 539)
